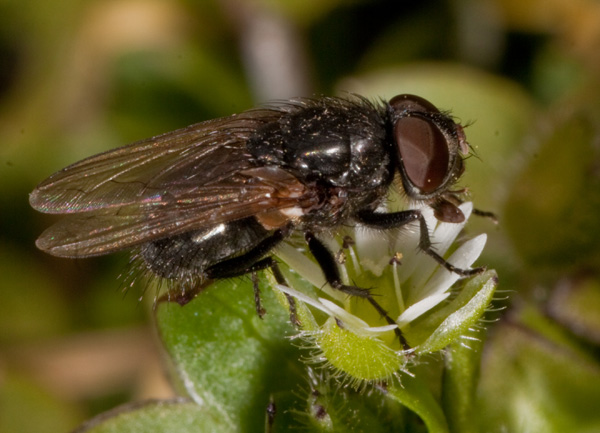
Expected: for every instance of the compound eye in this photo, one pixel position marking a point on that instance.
(412, 103)
(423, 152)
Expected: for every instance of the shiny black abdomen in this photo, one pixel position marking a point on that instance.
(174, 257)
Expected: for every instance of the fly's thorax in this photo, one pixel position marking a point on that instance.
(338, 206)
(340, 143)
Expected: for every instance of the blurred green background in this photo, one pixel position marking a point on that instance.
(78, 77)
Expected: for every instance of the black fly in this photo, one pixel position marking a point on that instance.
(214, 200)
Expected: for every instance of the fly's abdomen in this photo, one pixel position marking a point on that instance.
(191, 253)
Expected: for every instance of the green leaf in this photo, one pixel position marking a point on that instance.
(415, 395)
(225, 357)
(461, 374)
(330, 408)
(177, 416)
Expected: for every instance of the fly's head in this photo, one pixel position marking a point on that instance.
(429, 147)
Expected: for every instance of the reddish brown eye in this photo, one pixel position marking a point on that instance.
(412, 103)
(424, 152)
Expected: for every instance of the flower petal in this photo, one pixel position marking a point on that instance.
(307, 269)
(306, 299)
(354, 323)
(349, 320)
(373, 248)
(463, 257)
(419, 308)
(442, 235)
(408, 244)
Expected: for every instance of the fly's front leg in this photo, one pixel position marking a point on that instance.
(399, 219)
(328, 265)
(485, 214)
(425, 245)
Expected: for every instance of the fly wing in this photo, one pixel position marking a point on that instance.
(138, 174)
(188, 179)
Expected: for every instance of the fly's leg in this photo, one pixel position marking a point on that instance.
(259, 308)
(425, 246)
(328, 265)
(486, 214)
(398, 219)
(455, 199)
(250, 263)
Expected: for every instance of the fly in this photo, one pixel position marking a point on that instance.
(215, 199)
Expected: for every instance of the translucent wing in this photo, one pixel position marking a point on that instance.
(137, 174)
(187, 179)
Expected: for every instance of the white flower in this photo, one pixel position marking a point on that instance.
(411, 292)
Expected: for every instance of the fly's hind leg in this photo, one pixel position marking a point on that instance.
(250, 263)
(328, 265)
